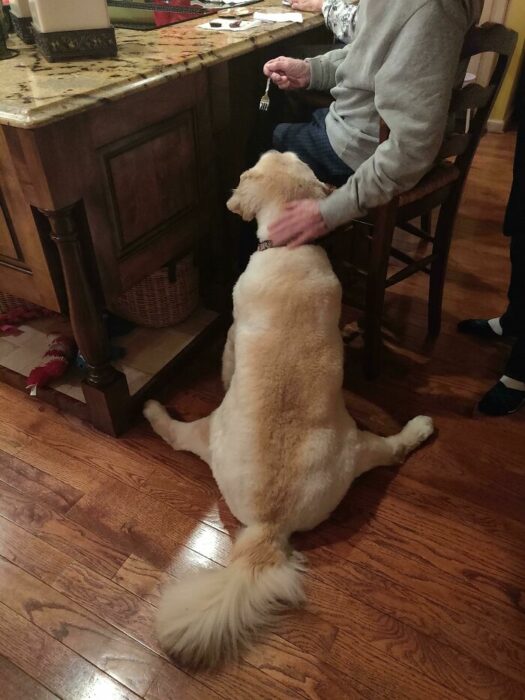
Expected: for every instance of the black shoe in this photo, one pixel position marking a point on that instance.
(479, 327)
(501, 401)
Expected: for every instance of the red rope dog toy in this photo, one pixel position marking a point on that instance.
(60, 354)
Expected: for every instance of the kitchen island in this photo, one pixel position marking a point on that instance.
(111, 169)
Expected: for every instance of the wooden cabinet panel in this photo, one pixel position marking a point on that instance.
(152, 186)
(8, 247)
(24, 270)
(151, 181)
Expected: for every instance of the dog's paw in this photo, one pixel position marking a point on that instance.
(152, 410)
(419, 429)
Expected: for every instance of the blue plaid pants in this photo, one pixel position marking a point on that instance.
(310, 142)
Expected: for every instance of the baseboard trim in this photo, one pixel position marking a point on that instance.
(497, 126)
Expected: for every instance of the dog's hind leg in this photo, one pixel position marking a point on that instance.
(191, 437)
(376, 451)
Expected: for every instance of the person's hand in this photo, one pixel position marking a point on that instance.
(307, 5)
(300, 222)
(288, 73)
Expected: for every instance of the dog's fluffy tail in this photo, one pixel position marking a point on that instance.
(211, 616)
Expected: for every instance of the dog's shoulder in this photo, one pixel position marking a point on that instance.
(298, 263)
(292, 278)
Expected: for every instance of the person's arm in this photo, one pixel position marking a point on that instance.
(413, 90)
(340, 17)
(323, 68)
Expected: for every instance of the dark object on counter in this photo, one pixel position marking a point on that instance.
(5, 19)
(81, 43)
(23, 28)
(4, 51)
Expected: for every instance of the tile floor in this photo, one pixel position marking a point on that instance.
(147, 349)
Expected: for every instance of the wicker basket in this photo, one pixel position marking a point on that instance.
(165, 298)
(8, 301)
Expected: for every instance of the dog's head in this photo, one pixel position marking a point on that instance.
(275, 179)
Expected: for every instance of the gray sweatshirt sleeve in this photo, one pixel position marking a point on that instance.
(340, 17)
(323, 68)
(412, 94)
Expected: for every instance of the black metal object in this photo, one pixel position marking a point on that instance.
(4, 51)
(81, 43)
(23, 28)
(5, 18)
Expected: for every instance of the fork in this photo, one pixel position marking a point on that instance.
(265, 99)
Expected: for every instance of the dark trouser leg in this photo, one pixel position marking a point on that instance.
(513, 321)
(310, 142)
(516, 365)
(516, 312)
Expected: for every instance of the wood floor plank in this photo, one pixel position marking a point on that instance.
(52, 664)
(423, 659)
(108, 600)
(141, 525)
(51, 460)
(244, 681)
(493, 579)
(17, 685)
(493, 568)
(146, 580)
(332, 596)
(44, 487)
(495, 529)
(111, 651)
(430, 582)
(62, 533)
(30, 553)
(165, 687)
(12, 439)
(80, 442)
(88, 634)
(308, 675)
(185, 491)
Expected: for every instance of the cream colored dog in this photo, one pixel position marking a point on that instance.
(281, 446)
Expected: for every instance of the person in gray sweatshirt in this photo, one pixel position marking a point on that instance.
(401, 67)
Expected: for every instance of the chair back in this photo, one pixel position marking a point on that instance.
(460, 146)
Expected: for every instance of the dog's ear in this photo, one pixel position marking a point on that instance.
(296, 180)
(246, 199)
(307, 188)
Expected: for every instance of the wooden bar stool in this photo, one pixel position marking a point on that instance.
(441, 187)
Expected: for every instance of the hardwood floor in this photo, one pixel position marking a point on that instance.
(416, 586)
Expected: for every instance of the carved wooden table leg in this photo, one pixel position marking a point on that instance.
(105, 389)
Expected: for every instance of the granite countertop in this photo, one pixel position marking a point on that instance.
(34, 92)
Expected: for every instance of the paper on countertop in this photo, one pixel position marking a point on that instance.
(279, 16)
(225, 25)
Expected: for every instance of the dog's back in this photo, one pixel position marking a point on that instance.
(284, 409)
